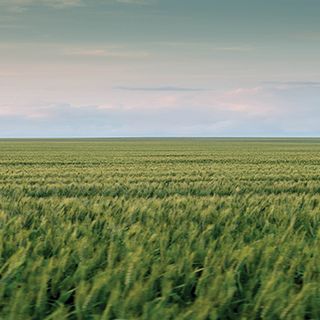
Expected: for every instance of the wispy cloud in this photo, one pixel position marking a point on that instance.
(61, 50)
(208, 45)
(20, 5)
(293, 83)
(163, 88)
(68, 120)
(112, 52)
(234, 48)
(138, 2)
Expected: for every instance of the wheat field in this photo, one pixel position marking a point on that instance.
(160, 229)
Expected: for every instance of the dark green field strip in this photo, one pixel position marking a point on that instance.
(162, 181)
(158, 190)
(108, 160)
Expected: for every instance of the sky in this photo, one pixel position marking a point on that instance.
(153, 68)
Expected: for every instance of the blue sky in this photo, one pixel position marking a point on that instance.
(159, 68)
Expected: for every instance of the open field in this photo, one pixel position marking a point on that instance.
(160, 229)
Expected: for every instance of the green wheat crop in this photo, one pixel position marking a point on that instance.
(160, 229)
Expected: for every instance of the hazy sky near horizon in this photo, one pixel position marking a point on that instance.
(159, 68)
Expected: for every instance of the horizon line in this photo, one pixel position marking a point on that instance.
(158, 137)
